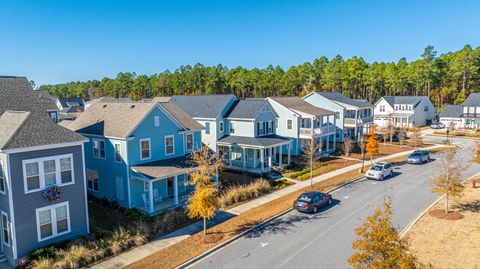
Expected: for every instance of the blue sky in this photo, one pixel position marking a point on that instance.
(60, 41)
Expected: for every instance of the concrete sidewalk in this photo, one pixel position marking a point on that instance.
(151, 247)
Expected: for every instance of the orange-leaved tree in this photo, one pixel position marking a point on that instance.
(203, 202)
(372, 142)
(379, 245)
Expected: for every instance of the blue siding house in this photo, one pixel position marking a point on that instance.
(43, 197)
(138, 153)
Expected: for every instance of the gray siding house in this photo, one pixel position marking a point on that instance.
(42, 182)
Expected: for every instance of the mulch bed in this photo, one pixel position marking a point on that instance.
(440, 214)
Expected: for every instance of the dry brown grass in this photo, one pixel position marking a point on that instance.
(449, 243)
(195, 245)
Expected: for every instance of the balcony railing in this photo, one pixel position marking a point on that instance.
(308, 132)
(352, 121)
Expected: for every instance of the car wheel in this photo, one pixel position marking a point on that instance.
(330, 201)
(381, 178)
(315, 209)
(391, 174)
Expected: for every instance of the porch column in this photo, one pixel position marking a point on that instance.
(280, 156)
(175, 190)
(328, 140)
(254, 158)
(229, 155)
(150, 196)
(244, 159)
(275, 153)
(289, 149)
(270, 157)
(262, 159)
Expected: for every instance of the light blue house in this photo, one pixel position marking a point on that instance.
(250, 142)
(43, 196)
(138, 153)
(304, 123)
(353, 117)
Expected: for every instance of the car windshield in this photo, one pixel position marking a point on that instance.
(305, 198)
(415, 154)
(376, 168)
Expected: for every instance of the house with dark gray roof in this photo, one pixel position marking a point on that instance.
(404, 111)
(43, 197)
(208, 110)
(353, 117)
(249, 142)
(138, 153)
(69, 108)
(465, 115)
(305, 124)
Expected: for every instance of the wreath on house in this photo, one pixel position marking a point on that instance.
(52, 194)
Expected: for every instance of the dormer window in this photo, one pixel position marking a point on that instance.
(397, 107)
(221, 126)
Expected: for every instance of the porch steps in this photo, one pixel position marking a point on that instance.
(2, 257)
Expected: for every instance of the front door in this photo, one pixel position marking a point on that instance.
(170, 186)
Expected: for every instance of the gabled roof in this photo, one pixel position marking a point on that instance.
(202, 106)
(120, 119)
(404, 100)
(340, 98)
(472, 100)
(248, 108)
(299, 105)
(26, 114)
(452, 111)
(71, 101)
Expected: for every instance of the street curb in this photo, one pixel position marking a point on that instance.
(409, 226)
(236, 237)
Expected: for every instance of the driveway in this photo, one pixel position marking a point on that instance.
(324, 240)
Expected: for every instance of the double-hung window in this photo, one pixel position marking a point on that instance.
(220, 126)
(53, 221)
(270, 127)
(289, 124)
(2, 179)
(92, 180)
(169, 142)
(99, 148)
(276, 123)
(44, 172)
(145, 148)
(260, 128)
(189, 142)
(5, 229)
(118, 152)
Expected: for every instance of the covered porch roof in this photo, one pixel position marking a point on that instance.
(402, 115)
(165, 168)
(254, 142)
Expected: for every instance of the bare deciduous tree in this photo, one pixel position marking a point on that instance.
(309, 158)
(416, 137)
(347, 146)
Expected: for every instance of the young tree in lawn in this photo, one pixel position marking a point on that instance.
(203, 202)
(372, 144)
(390, 127)
(416, 137)
(401, 136)
(309, 158)
(449, 172)
(379, 245)
(476, 152)
(347, 146)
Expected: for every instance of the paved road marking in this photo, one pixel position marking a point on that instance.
(346, 197)
(262, 245)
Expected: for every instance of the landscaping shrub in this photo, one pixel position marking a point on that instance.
(280, 183)
(305, 170)
(318, 171)
(458, 133)
(238, 194)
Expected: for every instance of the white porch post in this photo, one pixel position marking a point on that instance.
(254, 158)
(280, 156)
(275, 153)
(175, 190)
(289, 150)
(229, 155)
(262, 159)
(270, 157)
(150, 197)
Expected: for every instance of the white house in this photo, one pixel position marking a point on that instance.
(465, 115)
(404, 111)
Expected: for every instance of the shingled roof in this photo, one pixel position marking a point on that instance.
(404, 100)
(300, 105)
(340, 98)
(202, 106)
(452, 111)
(248, 108)
(24, 112)
(472, 100)
(120, 119)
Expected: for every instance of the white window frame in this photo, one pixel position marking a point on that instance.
(291, 124)
(115, 144)
(53, 216)
(165, 144)
(220, 126)
(3, 213)
(149, 149)
(156, 121)
(276, 123)
(41, 174)
(93, 185)
(207, 130)
(270, 127)
(99, 148)
(232, 127)
(261, 131)
(2, 178)
(146, 186)
(186, 143)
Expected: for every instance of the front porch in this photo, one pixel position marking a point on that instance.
(256, 155)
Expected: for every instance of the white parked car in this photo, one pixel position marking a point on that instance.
(380, 171)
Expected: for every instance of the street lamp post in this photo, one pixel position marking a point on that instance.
(448, 140)
(363, 145)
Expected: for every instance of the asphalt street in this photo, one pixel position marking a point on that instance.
(324, 240)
